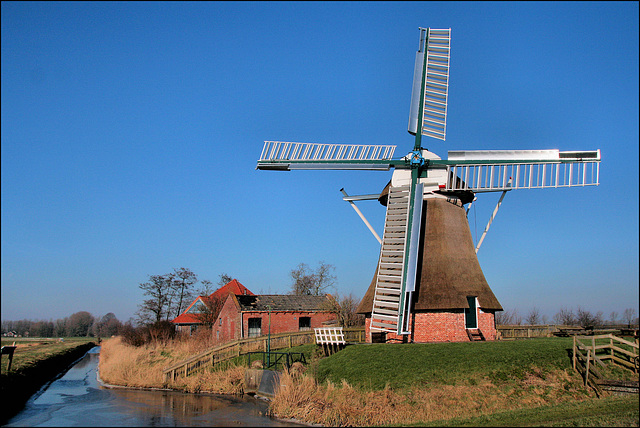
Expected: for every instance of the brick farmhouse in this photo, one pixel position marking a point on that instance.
(244, 314)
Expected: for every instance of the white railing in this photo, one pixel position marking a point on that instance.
(329, 336)
(284, 151)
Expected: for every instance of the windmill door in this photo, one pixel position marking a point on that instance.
(471, 313)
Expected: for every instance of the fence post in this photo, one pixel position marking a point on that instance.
(586, 375)
(290, 341)
(611, 345)
(574, 352)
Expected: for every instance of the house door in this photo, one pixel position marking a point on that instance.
(255, 325)
(471, 313)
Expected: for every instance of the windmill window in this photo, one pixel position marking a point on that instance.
(304, 323)
(255, 326)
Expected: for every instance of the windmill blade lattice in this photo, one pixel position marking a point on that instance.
(431, 87)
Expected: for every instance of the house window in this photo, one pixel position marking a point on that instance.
(255, 327)
(198, 308)
(304, 323)
(220, 323)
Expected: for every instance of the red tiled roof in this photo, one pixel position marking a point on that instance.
(231, 287)
(186, 319)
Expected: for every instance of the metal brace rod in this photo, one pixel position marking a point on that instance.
(495, 211)
(362, 216)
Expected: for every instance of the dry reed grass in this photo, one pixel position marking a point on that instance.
(142, 367)
(300, 397)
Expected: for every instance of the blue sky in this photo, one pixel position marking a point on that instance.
(130, 135)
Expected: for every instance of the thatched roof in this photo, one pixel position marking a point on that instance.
(450, 270)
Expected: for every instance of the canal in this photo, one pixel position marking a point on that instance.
(78, 399)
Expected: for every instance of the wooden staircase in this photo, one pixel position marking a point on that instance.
(475, 335)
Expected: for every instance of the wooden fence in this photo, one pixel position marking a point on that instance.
(523, 331)
(549, 330)
(239, 347)
(590, 352)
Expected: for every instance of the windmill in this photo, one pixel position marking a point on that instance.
(426, 196)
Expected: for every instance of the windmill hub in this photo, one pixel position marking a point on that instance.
(436, 177)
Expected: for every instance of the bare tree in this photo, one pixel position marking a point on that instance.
(182, 285)
(565, 317)
(302, 280)
(107, 326)
(79, 324)
(613, 317)
(206, 288)
(510, 317)
(629, 316)
(309, 283)
(157, 306)
(224, 279)
(60, 327)
(534, 316)
(345, 309)
(587, 320)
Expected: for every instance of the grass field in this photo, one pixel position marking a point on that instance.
(30, 351)
(618, 411)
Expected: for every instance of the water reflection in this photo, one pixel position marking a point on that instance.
(77, 399)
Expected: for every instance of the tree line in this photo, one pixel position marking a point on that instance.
(79, 324)
(567, 316)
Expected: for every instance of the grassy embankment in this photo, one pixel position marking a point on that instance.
(465, 384)
(141, 367)
(36, 361)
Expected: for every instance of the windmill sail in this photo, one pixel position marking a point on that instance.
(286, 156)
(499, 170)
(431, 87)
